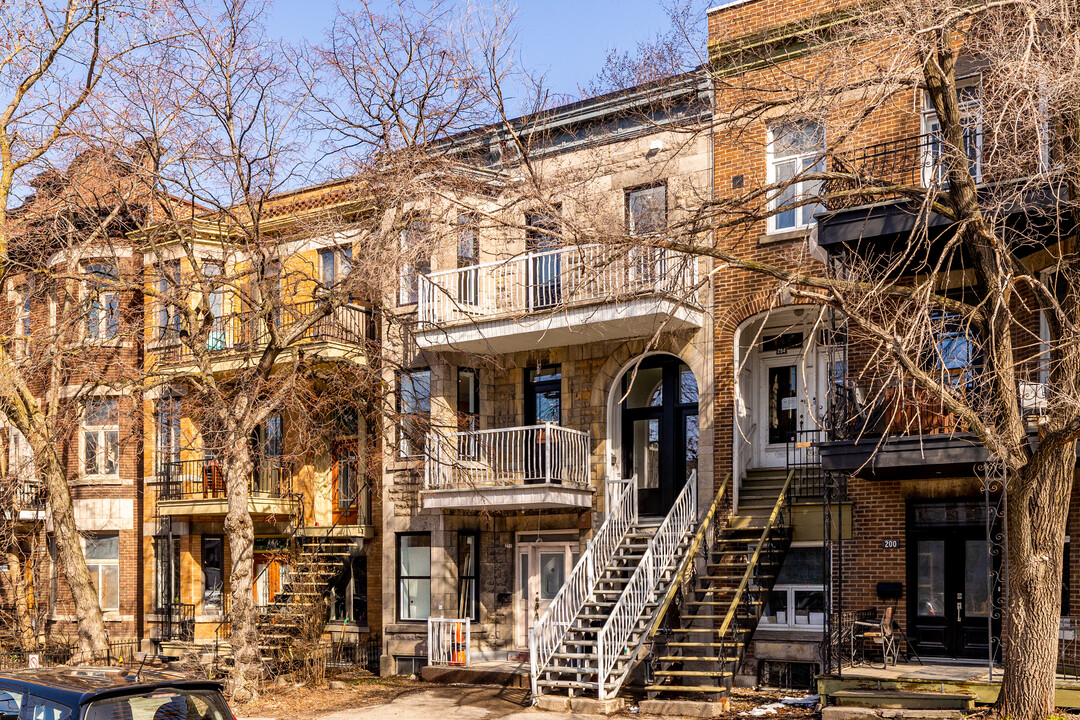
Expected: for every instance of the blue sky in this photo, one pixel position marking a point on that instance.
(567, 39)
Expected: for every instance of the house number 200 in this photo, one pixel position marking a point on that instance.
(890, 543)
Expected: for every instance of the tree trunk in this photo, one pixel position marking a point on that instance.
(15, 586)
(244, 636)
(1037, 508)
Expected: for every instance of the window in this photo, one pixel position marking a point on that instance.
(41, 709)
(103, 302)
(169, 317)
(468, 399)
(335, 265)
(646, 210)
(212, 273)
(166, 572)
(469, 576)
(23, 317)
(414, 575)
(545, 265)
(268, 445)
(543, 395)
(468, 255)
(20, 456)
(797, 599)
(956, 352)
(102, 551)
(167, 413)
(101, 437)
(934, 169)
(414, 409)
(213, 571)
(415, 261)
(794, 149)
(10, 703)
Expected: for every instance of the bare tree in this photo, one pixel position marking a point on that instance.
(56, 58)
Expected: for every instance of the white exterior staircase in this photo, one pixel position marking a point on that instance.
(588, 640)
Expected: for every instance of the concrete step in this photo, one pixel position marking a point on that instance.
(903, 700)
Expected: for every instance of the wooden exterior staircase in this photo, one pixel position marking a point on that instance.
(707, 618)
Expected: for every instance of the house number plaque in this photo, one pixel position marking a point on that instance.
(890, 544)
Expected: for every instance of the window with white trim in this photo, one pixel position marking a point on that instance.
(969, 96)
(102, 302)
(102, 552)
(101, 437)
(20, 456)
(797, 600)
(795, 148)
(415, 261)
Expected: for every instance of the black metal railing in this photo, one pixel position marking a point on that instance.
(878, 172)
(356, 651)
(245, 332)
(804, 458)
(30, 495)
(845, 647)
(178, 622)
(204, 479)
(118, 652)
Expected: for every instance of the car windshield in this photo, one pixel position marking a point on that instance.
(163, 704)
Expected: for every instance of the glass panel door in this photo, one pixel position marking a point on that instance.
(930, 594)
(783, 390)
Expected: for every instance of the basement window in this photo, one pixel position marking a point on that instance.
(786, 675)
(797, 600)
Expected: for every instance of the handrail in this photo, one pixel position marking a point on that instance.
(613, 638)
(688, 561)
(752, 563)
(548, 632)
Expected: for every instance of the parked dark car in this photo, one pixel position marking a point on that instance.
(94, 693)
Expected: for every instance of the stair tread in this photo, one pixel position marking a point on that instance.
(686, 688)
(693, 673)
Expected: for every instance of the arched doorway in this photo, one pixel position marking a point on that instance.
(659, 420)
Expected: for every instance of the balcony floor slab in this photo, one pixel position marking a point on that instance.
(574, 325)
(509, 497)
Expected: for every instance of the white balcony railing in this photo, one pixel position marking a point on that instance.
(449, 641)
(534, 454)
(538, 281)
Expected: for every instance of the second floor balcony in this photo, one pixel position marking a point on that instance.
(198, 487)
(531, 467)
(236, 339)
(558, 297)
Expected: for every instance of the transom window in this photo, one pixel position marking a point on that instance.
(795, 148)
(101, 437)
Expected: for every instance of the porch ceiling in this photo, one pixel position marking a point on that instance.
(509, 497)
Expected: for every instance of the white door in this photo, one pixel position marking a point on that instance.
(542, 569)
(783, 406)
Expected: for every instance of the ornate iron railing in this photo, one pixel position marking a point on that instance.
(204, 479)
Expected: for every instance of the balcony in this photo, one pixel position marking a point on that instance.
(235, 340)
(538, 466)
(29, 500)
(872, 208)
(197, 487)
(898, 429)
(566, 296)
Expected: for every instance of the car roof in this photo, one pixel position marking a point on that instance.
(73, 685)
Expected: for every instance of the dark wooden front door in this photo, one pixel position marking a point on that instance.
(952, 580)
